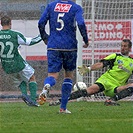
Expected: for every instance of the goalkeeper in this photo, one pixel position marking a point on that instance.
(114, 81)
(13, 63)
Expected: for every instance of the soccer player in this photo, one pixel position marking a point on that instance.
(13, 63)
(114, 81)
(61, 45)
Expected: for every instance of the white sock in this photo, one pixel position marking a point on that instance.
(44, 91)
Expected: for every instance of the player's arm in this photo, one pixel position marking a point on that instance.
(85, 69)
(99, 65)
(22, 40)
(107, 61)
(42, 23)
(81, 25)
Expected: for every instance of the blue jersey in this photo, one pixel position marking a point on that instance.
(62, 17)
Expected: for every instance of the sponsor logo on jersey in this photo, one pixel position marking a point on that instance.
(131, 64)
(121, 66)
(62, 7)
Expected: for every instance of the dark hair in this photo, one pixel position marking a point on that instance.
(129, 42)
(5, 20)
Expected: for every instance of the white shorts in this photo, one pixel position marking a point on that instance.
(23, 75)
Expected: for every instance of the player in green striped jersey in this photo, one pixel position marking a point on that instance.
(114, 81)
(13, 63)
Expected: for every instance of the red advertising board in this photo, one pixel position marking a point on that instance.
(110, 30)
(108, 35)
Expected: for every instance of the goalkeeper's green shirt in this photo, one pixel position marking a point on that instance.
(120, 70)
(11, 59)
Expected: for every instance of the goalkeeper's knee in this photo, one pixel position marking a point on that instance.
(122, 94)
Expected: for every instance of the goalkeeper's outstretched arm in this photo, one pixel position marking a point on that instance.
(85, 69)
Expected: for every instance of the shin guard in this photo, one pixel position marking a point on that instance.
(23, 87)
(66, 91)
(122, 94)
(78, 94)
(33, 90)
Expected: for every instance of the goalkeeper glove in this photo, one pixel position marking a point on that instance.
(83, 69)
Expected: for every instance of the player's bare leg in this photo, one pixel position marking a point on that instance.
(121, 93)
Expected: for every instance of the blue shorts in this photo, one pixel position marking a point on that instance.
(61, 59)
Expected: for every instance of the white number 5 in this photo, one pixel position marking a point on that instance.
(59, 20)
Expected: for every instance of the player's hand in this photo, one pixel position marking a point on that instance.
(45, 41)
(83, 70)
(86, 45)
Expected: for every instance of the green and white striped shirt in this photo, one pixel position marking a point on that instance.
(12, 61)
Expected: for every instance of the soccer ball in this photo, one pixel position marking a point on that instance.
(79, 86)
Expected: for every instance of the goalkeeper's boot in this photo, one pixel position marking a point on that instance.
(43, 96)
(62, 111)
(110, 102)
(55, 103)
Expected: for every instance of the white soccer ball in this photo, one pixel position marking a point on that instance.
(79, 86)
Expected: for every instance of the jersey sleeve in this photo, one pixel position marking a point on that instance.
(42, 22)
(22, 40)
(81, 23)
(110, 57)
(109, 60)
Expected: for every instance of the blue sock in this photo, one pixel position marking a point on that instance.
(50, 80)
(66, 91)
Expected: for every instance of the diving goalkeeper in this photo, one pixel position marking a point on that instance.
(114, 81)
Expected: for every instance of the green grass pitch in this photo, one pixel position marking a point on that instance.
(86, 117)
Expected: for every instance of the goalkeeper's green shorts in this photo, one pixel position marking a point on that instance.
(109, 85)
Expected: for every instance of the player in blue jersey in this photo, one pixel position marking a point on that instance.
(61, 45)
(13, 63)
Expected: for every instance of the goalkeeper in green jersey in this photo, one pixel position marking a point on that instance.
(13, 63)
(114, 81)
